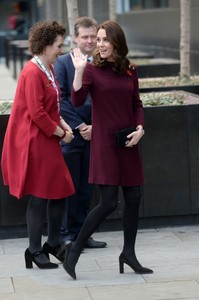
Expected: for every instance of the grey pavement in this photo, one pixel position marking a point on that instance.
(172, 252)
(7, 83)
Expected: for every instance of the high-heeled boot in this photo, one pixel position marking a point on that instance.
(70, 261)
(133, 263)
(58, 251)
(32, 257)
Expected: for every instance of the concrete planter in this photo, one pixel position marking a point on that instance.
(170, 155)
(171, 159)
(158, 67)
(170, 83)
(12, 211)
(187, 88)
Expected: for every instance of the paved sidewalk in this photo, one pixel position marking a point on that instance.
(7, 83)
(173, 254)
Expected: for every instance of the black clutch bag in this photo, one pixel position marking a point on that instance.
(121, 136)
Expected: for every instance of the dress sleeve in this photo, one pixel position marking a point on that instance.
(137, 103)
(79, 97)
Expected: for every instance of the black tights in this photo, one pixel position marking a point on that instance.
(35, 216)
(108, 203)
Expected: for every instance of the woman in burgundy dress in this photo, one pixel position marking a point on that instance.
(113, 87)
(32, 161)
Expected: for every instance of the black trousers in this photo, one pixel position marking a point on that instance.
(76, 210)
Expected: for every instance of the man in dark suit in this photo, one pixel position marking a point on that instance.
(77, 153)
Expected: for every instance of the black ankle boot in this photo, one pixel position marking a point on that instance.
(70, 261)
(133, 263)
(58, 251)
(32, 257)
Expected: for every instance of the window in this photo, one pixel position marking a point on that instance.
(147, 4)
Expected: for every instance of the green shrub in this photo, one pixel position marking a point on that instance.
(168, 81)
(163, 98)
(5, 107)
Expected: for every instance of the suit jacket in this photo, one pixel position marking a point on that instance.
(74, 116)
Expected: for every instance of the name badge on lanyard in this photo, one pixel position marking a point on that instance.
(50, 77)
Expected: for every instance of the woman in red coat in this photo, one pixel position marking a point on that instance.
(116, 105)
(32, 161)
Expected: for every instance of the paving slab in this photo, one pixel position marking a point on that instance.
(7, 83)
(171, 252)
(150, 291)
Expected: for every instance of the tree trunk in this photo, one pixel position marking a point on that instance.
(59, 10)
(185, 38)
(48, 10)
(90, 8)
(72, 9)
(112, 8)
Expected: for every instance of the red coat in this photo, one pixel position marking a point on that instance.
(115, 105)
(32, 160)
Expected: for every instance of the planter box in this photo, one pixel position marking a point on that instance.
(164, 84)
(187, 88)
(165, 154)
(12, 210)
(170, 157)
(193, 141)
(158, 67)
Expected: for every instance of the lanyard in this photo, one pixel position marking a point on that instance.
(50, 77)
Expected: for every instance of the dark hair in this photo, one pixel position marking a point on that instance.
(85, 22)
(44, 34)
(117, 38)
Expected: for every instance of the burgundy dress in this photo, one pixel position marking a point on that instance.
(115, 105)
(32, 160)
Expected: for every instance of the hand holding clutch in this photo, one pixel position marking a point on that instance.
(121, 136)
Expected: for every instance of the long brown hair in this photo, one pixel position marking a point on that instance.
(117, 38)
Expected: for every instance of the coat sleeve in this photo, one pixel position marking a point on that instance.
(34, 95)
(64, 72)
(137, 103)
(78, 98)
